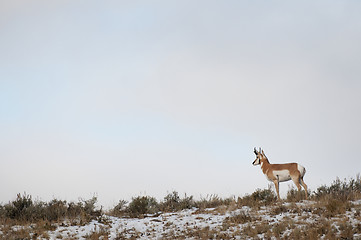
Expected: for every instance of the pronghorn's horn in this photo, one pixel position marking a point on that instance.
(255, 151)
(260, 150)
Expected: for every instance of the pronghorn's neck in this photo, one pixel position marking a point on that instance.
(265, 165)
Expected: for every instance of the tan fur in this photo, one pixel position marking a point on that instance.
(269, 170)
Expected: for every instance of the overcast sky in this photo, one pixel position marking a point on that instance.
(126, 98)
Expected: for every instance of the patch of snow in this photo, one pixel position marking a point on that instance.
(178, 223)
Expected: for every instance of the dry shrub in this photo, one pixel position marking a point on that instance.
(345, 190)
(335, 207)
(119, 210)
(128, 234)
(172, 202)
(278, 209)
(212, 201)
(239, 218)
(293, 208)
(205, 233)
(317, 230)
(55, 210)
(263, 227)
(252, 230)
(358, 228)
(24, 210)
(293, 195)
(23, 233)
(102, 233)
(303, 233)
(200, 233)
(265, 196)
(42, 227)
(331, 207)
(20, 209)
(261, 197)
(249, 230)
(323, 227)
(141, 205)
(346, 229)
(279, 228)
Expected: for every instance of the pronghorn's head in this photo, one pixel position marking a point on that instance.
(259, 156)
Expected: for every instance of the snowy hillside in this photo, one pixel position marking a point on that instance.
(285, 220)
(300, 220)
(333, 212)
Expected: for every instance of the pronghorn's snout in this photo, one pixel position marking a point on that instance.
(256, 162)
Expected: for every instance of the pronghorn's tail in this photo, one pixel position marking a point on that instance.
(302, 170)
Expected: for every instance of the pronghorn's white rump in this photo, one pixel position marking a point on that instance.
(277, 173)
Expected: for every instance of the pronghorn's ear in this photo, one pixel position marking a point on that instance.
(264, 155)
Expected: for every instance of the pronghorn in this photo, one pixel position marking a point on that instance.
(281, 172)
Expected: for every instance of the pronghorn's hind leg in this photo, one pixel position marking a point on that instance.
(304, 186)
(298, 182)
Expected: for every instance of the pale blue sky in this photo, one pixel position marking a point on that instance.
(121, 98)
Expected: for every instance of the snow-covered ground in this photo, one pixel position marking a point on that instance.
(227, 221)
(301, 220)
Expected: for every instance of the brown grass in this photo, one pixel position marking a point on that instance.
(24, 218)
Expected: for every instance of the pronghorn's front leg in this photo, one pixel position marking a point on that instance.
(276, 182)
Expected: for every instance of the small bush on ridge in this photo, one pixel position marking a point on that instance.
(142, 205)
(172, 202)
(341, 190)
(24, 209)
